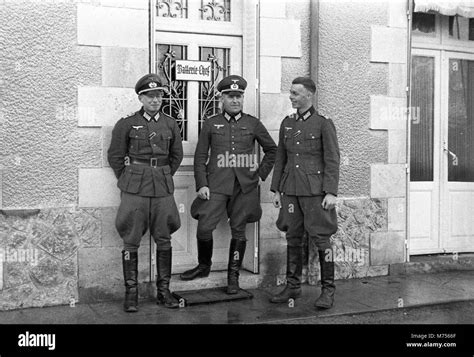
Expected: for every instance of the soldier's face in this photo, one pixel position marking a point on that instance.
(232, 103)
(300, 97)
(151, 100)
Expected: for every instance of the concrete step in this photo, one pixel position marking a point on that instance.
(433, 264)
(247, 280)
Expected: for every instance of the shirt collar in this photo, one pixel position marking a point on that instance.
(306, 114)
(148, 117)
(229, 117)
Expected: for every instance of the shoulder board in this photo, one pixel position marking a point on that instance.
(323, 116)
(215, 115)
(291, 116)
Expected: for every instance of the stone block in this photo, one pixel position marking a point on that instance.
(397, 80)
(280, 38)
(397, 11)
(396, 214)
(98, 188)
(268, 227)
(274, 108)
(387, 180)
(387, 113)
(122, 67)
(109, 26)
(89, 147)
(104, 106)
(270, 75)
(273, 8)
(387, 248)
(397, 147)
(88, 227)
(388, 44)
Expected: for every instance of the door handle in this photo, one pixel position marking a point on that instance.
(452, 154)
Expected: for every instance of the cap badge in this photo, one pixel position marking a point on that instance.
(152, 85)
(235, 85)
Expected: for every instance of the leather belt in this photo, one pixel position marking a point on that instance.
(153, 162)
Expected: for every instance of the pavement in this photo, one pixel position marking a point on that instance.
(354, 296)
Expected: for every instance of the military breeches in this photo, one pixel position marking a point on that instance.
(242, 208)
(305, 213)
(137, 214)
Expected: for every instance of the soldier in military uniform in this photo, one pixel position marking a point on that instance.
(145, 152)
(229, 180)
(305, 183)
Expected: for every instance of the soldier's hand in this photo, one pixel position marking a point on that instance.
(277, 199)
(329, 201)
(204, 193)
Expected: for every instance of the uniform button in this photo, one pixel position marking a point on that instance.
(233, 148)
(154, 144)
(233, 143)
(319, 172)
(298, 142)
(297, 166)
(233, 137)
(297, 154)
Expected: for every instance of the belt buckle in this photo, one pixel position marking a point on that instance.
(154, 162)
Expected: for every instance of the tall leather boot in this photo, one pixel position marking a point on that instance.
(236, 256)
(163, 267)
(328, 288)
(203, 269)
(130, 276)
(294, 269)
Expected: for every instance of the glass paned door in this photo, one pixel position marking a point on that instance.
(424, 153)
(191, 103)
(458, 147)
(442, 153)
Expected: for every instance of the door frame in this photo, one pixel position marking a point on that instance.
(446, 185)
(440, 187)
(248, 17)
(434, 186)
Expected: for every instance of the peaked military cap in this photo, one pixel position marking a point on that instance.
(232, 83)
(149, 82)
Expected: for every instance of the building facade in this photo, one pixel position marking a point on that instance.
(67, 73)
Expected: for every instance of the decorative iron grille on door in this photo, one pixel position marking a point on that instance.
(175, 102)
(208, 95)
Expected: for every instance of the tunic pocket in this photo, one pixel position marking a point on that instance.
(163, 141)
(131, 179)
(137, 139)
(315, 183)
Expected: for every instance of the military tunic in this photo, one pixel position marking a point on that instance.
(306, 169)
(145, 153)
(225, 161)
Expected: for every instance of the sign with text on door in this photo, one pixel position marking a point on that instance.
(193, 70)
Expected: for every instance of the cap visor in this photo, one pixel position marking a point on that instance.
(163, 89)
(233, 92)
